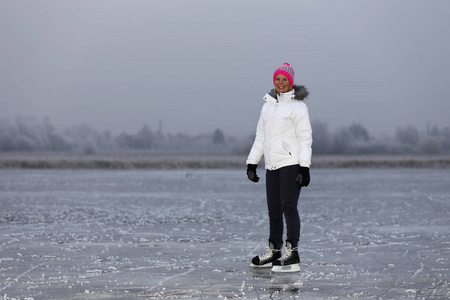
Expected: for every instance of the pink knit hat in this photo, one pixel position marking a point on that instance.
(286, 70)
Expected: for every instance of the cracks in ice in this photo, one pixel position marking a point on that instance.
(16, 279)
(161, 282)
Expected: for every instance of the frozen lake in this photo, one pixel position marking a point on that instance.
(142, 234)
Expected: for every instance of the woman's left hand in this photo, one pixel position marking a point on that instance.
(303, 177)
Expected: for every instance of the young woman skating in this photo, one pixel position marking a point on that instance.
(284, 138)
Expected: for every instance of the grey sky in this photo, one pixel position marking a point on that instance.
(201, 65)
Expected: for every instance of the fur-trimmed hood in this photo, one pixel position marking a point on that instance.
(300, 92)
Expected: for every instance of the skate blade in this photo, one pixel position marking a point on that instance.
(286, 269)
(268, 265)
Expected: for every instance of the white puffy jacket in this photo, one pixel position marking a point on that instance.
(283, 134)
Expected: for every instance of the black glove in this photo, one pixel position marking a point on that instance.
(251, 173)
(303, 176)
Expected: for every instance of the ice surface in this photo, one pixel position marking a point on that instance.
(93, 234)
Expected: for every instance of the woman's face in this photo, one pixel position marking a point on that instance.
(282, 84)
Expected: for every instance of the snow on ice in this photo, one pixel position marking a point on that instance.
(177, 234)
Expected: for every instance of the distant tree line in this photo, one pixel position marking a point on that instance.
(355, 139)
(31, 134)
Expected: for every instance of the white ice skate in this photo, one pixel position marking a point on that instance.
(289, 261)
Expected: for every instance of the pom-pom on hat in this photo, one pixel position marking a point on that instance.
(286, 70)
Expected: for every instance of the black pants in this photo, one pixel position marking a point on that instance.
(282, 199)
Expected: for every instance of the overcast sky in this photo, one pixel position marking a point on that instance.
(201, 65)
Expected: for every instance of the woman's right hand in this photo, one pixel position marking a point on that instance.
(251, 172)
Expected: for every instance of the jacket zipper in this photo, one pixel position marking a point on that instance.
(272, 167)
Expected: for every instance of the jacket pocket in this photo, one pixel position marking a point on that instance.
(287, 147)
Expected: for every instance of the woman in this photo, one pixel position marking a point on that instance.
(284, 137)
